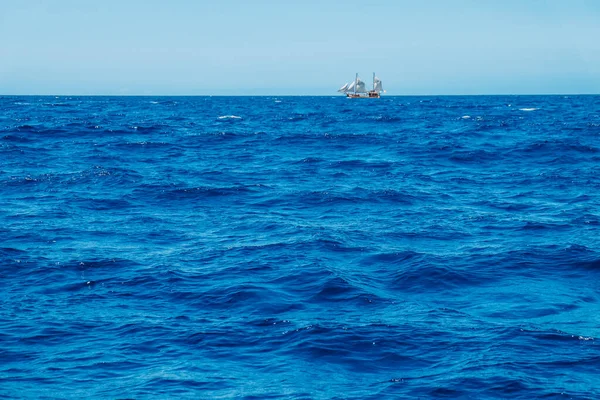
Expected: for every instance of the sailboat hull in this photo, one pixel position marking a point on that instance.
(369, 95)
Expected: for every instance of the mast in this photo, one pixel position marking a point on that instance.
(373, 81)
(355, 82)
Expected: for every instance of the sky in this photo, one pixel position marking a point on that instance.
(309, 47)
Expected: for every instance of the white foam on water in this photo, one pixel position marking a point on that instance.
(528, 109)
(466, 117)
(585, 338)
(229, 117)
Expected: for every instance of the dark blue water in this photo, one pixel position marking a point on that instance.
(300, 247)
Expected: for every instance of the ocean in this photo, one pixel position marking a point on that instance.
(300, 247)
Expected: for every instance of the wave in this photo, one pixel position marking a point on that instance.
(386, 118)
(146, 129)
(476, 156)
(166, 193)
(355, 196)
(100, 204)
(16, 138)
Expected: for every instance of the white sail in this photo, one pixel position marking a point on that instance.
(360, 87)
(378, 87)
(343, 88)
(351, 87)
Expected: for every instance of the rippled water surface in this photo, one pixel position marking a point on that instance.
(300, 247)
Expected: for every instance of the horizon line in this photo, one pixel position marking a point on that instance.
(291, 95)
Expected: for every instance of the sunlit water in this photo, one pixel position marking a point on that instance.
(300, 247)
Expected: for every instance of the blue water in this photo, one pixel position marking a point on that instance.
(300, 247)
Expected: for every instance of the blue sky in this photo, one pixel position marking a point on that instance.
(298, 47)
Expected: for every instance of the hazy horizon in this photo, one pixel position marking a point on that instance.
(467, 47)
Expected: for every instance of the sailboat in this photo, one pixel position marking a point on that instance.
(357, 90)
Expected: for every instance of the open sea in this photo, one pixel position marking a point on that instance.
(300, 247)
